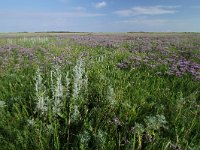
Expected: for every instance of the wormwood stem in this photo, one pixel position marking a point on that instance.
(68, 130)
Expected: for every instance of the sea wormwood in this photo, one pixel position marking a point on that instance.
(79, 88)
(41, 97)
(58, 96)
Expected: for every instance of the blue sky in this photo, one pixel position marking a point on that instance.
(100, 15)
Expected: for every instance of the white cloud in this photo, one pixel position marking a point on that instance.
(51, 14)
(146, 22)
(152, 10)
(101, 4)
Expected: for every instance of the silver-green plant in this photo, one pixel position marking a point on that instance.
(139, 129)
(77, 99)
(67, 78)
(111, 96)
(101, 137)
(41, 97)
(57, 90)
(79, 89)
(55, 105)
(2, 104)
(84, 139)
(34, 40)
(79, 78)
(155, 122)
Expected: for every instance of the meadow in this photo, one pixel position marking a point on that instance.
(117, 91)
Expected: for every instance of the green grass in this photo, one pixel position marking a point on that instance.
(84, 101)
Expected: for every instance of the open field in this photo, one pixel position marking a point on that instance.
(100, 91)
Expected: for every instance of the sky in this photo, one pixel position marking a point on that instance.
(100, 15)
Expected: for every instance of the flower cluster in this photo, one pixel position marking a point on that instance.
(182, 66)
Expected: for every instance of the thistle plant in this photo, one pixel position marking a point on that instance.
(155, 122)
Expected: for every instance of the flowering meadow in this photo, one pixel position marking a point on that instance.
(99, 91)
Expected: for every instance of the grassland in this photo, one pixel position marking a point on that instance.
(100, 91)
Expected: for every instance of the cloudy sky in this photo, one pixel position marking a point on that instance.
(100, 15)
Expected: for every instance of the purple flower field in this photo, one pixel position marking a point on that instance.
(100, 91)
